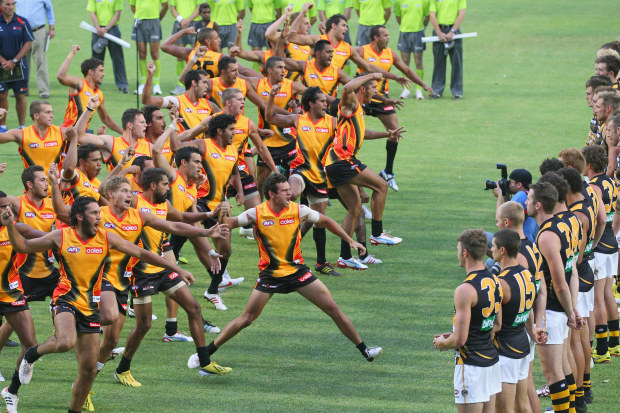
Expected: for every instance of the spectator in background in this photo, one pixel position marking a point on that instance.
(226, 15)
(519, 185)
(105, 16)
(370, 13)
(39, 13)
(15, 41)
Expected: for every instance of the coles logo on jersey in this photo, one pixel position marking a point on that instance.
(372, 59)
(5, 243)
(305, 277)
(385, 61)
(145, 209)
(181, 188)
(173, 275)
(204, 111)
(341, 53)
(281, 95)
(215, 155)
(188, 110)
(287, 221)
(47, 216)
(268, 223)
(327, 78)
(33, 145)
(94, 250)
(230, 158)
(306, 128)
(322, 130)
(239, 131)
(165, 150)
(313, 76)
(129, 227)
(50, 144)
(191, 197)
(109, 225)
(161, 212)
(73, 250)
(20, 302)
(30, 214)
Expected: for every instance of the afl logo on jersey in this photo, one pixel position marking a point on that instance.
(73, 250)
(109, 225)
(122, 151)
(33, 145)
(268, 223)
(181, 188)
(145, 209)
(372, 59)
(215, 155)
(30, 214)
(47, 216)
(306, 128)
(94, 250)
(188, 110)
(87, 184)
(313, 76)
(322, 130)
(50, 144)
(287, 221)
(264, 93)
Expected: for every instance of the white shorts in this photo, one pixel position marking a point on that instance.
(474, 384)
(606, 265)
(585, 303)
(514, 370)
(532, 354)
(554, 323)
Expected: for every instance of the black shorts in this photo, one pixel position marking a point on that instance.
(121, 296)
(282, 155)
(19, 87)
(18, 305)
(38, 289)
(166, 245)
(83, 323)
(312, 190)
(202, 205)
(248, 184)
(378, 108)
(150, 284)
(285, 285)
(341, 172)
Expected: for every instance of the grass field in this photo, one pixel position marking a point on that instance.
(523, 101)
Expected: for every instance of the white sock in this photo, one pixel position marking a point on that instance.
(100, 366)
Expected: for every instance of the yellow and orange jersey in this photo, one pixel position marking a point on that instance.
(37, 150)
(10, 284)
(217, 165)
(217, 88)
(240, 139)
(191, 113)
(182, 195)
(296, 52)
(78, 101)
(281, 136)
(129, 227)
(326, 80)
(167, 152)
(279, 240)
(82, 265)
(120, 145)
(342, 52)
(83, 187)
(384, 60)
(40, 264)
(152, 239)
(136, 187)
(349, 136)
(208, 62)
(314, 141)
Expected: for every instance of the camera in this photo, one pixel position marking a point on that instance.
(503, 183)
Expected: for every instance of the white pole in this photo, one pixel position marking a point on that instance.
(432, 39)
(111, 38)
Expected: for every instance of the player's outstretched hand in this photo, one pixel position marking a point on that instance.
(234, 51)
(93, 101)
(240, 26)
(240, 199)
(428, 89)
(150, 68)
(6, 216)
(187, 276)
(394, 135)
(540, 335)
(358, 246)
(128, 155)
(275, 89)
(201, 51)
(214, 260)
(2, 113)
(2, 168)
(398, 104)
(403, 81)
(101, 130)
(74, 49)
(52, 173)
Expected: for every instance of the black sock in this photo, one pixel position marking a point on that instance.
(377, 227)
(320, 238)
(216, 278)
(579, 396)
(15, 383)
(390, 148)
(587, 384)
(203, 356)
(591, 342)
(560, 396)
(613, 327)
(345, 250)
(211, 348)
(171, 327)
(362, 348)
(72, 411)
(124, 365)
(363, 256)
(601, 339)
(31, 354)
(572, 389)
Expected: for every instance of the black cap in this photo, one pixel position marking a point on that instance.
(523, 176)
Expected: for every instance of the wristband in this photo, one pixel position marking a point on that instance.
(89, 108)
(179, 18)
(453, 31)
(194, 58)
(213, 253)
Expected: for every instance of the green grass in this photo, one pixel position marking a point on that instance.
(523, 101)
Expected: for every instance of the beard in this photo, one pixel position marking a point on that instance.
(161, 198)
(87, 229)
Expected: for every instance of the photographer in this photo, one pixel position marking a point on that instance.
(518, 186)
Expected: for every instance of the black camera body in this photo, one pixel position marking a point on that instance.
(503, 183)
